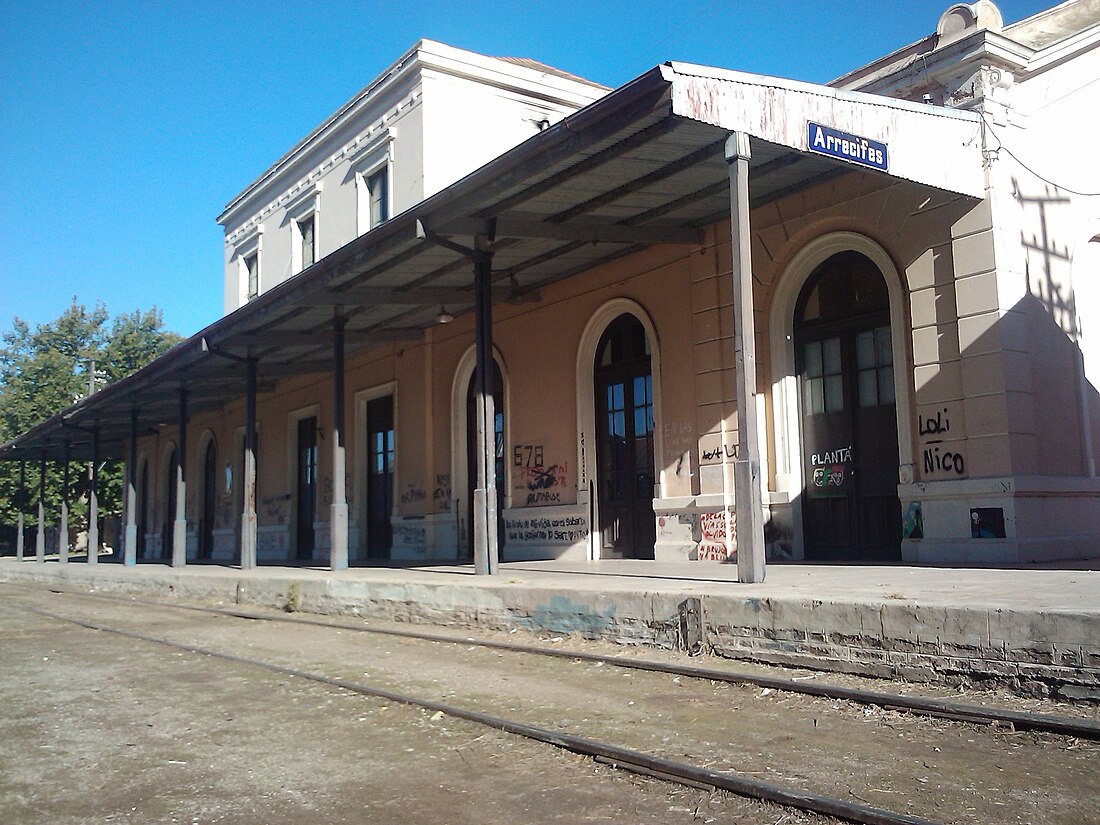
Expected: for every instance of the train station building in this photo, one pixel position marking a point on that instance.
(490, 310)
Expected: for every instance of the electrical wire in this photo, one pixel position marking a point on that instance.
(1001, 145)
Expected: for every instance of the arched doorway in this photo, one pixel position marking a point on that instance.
(209, 501)
(168, 528)
(623, 394)
(471, 452)
(848, 420)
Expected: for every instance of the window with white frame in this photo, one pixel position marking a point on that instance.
(305, 230)
(248, 252)
(302, 214)
(373, 196)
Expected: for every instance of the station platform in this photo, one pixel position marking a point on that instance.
(1031, 630)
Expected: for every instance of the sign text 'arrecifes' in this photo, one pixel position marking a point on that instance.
(853, 148)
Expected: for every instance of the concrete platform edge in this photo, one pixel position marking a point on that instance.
(1032, 652)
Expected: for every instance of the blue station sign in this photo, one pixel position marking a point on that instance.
(852, 148)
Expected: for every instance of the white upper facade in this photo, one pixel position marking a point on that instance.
(435, 115)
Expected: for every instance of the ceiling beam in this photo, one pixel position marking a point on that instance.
(584, 231)
(656, 176)
(310, 340)
(381, 296)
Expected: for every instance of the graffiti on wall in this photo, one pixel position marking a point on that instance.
(713, 451)
(940, 459)
(527, 455)
(678, 438)
(717, 537)
(274, 507)
(441, 494)
(544, 484)
(413, 493)
(539, 484)
(830, 470)
(410, 535)
(539, 530)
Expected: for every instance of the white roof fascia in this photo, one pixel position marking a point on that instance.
(504, 74)
(403, 66)
(1063, 50)
(936, 146)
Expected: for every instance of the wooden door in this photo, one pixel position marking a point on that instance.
(306, 487)
(624, 441)
(380, 459)
(844, 354)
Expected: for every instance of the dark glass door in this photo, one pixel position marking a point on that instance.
(380, 455)
(471, 457)
(307, 486)
(624, 441)
(209, 502)
(850, 507)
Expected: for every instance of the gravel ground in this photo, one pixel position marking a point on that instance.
(275, 749)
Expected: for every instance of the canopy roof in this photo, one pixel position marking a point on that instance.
(642, 166)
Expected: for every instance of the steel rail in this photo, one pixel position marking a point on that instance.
(614, 755)
(918, 705)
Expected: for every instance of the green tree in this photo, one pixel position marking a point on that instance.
(45, 370)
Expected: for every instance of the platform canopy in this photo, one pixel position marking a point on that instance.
(642, 166)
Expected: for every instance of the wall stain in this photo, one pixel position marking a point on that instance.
(561, 615)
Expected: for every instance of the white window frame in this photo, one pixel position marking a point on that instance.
(252, 244)
(375, 156)
(303, 207)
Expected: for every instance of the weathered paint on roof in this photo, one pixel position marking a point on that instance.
(930, 145)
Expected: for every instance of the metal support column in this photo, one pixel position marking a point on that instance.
(40, 538)
(338, 516)
(485, 495)
(130, 548)
(93, 501)
(179, 529)
(21, 504)
(248, 516)
(63, 532)
(748, 497)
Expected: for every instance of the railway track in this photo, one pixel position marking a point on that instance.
(937, 708)
(636, 760)
(616, 756)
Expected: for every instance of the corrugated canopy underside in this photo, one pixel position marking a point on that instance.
(622, 174)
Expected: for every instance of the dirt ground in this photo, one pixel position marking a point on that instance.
(99, 727)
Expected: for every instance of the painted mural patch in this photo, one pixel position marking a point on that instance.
(830, 472)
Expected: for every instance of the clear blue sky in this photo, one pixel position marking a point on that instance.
(125, 127)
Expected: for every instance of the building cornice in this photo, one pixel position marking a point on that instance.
(409, 69)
